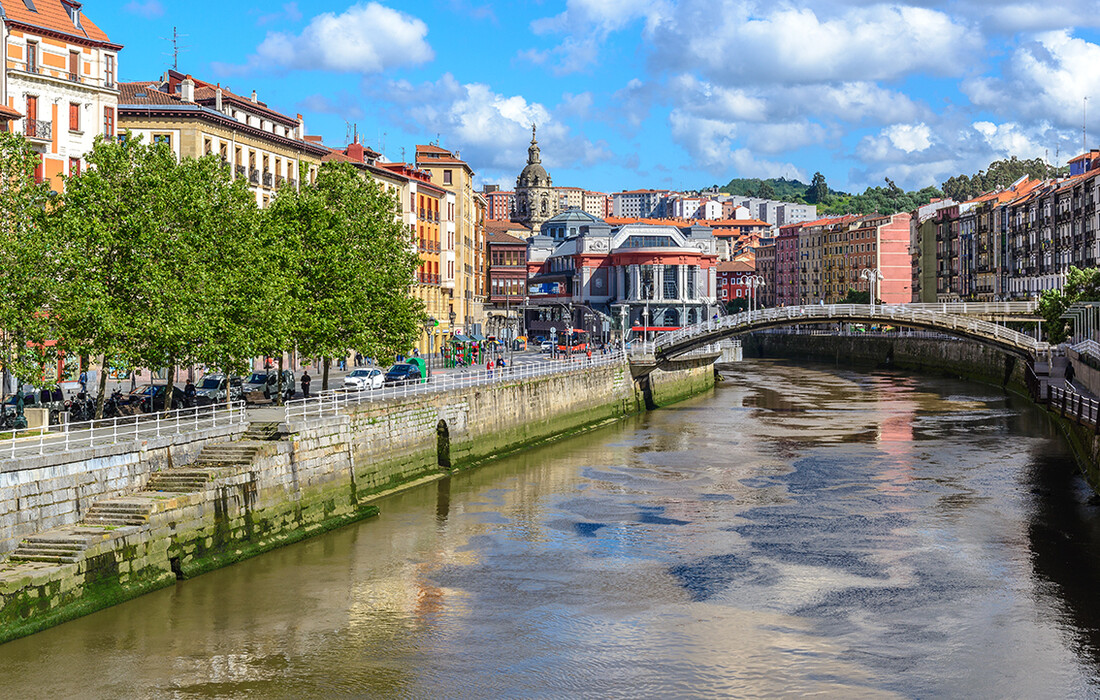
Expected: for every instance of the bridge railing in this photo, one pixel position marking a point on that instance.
(979, 308)
(333, 401)
(899, 315)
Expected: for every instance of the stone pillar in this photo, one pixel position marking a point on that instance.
(635, 282)
(659, 282)
(681, 274)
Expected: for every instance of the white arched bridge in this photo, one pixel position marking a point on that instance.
(673, 344)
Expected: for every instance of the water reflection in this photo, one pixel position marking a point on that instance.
(803, 530)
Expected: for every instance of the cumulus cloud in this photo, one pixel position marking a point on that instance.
(1047, 78)
(796, 45)
(344, 105)
(714, 147)
(150, 9)
(586, 24)
(492, 130)
(365, 38)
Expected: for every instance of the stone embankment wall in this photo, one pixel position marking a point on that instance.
(52, 490)
(961, 358)
(324, 472)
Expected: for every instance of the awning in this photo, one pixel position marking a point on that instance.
(459, 338)
(478, 338)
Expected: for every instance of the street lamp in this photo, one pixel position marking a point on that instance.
(754, 282)
(645, 323)
(872, 276)
(430, 324)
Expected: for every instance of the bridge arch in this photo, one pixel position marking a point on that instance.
(668, 346)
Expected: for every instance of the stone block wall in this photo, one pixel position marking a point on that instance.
(44, 492)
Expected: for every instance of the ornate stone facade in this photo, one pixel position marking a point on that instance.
(536, 200)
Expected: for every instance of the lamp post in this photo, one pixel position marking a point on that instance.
(645, 322)
(754, 282)
(430, 324)
(623, 311)
(872, 276)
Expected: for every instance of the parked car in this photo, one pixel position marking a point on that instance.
(151, 397)
(364, 378)
(399, 374)
(30, 400)
(268, 382)
(212, 389)
(546, 346)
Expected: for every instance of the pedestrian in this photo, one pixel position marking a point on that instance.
(588, 352)
(489, 368)
(358, 359)
(1069, 373)
(305, 383)
(189, 392)
(83, 380)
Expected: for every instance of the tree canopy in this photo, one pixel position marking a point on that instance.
(1081, 285)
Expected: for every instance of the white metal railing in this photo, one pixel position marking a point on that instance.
(899, 333)
(979, 308)
(112, 431)
(330, 402)
(1087, 347)
(900, 314)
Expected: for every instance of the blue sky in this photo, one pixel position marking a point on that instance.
(655, 93)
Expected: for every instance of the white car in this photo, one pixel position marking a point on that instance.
(364, 378)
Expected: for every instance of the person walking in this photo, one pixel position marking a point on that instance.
(189, 392)
(305, 383)
(83, 381)
(489, 368)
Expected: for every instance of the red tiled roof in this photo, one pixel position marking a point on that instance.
(499, 237)
(51, 15)
(7, 113)
(146, 93)
(494, 226)
(735, 266)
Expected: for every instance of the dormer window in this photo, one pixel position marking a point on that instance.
(74, 12)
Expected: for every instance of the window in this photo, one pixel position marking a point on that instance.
(74, 116)
(32, 56)
(447, 177)
(109, 122)
(74, 167)
(166, 139)
(74, 66)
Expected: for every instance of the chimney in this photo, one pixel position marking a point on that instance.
(301, 127)
(254, 99)
(218, 99)
(187, 89)
(355, 150)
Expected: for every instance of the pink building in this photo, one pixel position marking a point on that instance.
(786, 266)
(500, 205)
(882, 243)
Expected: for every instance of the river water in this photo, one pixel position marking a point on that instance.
(801, 530)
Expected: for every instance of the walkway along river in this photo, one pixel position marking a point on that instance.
(802, 529)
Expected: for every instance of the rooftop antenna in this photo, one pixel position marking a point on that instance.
(347, 132)
(177, 49)
(402, 154)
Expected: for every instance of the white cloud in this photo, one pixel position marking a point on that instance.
(288, 13)
(713, 146)
(150, 9)
(492, 130)
(909, 137)
(344, 105)
(796, 45)
(368, 38)
(586, 24)
(1043, 79)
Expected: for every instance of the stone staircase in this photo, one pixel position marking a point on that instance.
(119, 512)
(261, 432)
(180, 480)
(226, 454)
(59, 547)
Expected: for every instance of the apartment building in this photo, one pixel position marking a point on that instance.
(449, 171)
(638, 204)
(60, 82)
(787, 269)
(501, 204)
(195, 118)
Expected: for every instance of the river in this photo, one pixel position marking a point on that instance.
(801, 530)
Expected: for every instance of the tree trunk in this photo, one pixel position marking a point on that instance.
(324, 374)
(102, 398)
(282, 389)
(170, 389)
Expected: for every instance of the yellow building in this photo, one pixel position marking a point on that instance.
(60, 82)
(196, 118)
(451, 173)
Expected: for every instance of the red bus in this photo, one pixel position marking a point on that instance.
(572, 340)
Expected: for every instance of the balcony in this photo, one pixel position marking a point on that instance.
(269, 179)
(292, 182)
(280, 180)
(240, 170)
(37, 129)
(74, 78)
(254, 176)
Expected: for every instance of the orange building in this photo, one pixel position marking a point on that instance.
(60, 82)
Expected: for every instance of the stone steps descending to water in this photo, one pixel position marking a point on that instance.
(65, 546)
(119, 513)
(180, 480)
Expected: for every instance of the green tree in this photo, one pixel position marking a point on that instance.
(738, 305)
(27, 282)
(819, 190)
(1081, 285)
(355, 267)
(766, 191)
